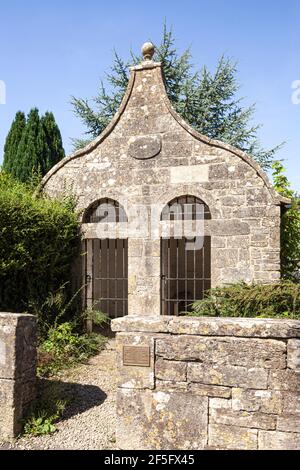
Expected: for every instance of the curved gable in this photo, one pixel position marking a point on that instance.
(144, 116)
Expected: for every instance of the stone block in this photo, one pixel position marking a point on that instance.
(210, 326)
(134, 376)
(170, 385)
(258, 197)
(291, 403)
(152, 247)
(11, 408)
(249, 212)
(218, 171)
(225, 257)
(233, 200)
(238, 241)
(229, 227)
(17, 370)
(135, 247)
(277, 440)
(244, 256)
(237, 274)
(147, 266)
(181, 148)
(293, 354)
(285, 380)
(28, 390)
(220, 403)
(265, 401)
(145, 303)
(290, 423)
(7, 351)
(17, 344)
(170, 370)
(183, 174)
(218, 242)
(227, 375)
(267, 353)
(161, 420)
(209, 390)
(232, 437)
(244, 419)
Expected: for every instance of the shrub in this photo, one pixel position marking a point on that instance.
(39, 239)
(65, 347)
(280, 299)
(290, 225)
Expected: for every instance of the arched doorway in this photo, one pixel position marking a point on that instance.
(185, 266)
(106, 261)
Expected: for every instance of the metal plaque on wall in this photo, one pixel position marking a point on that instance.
(136, 356)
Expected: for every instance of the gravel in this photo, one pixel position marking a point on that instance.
(89, 420)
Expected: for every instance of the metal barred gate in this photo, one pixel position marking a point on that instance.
(185, 274)
(106, 275)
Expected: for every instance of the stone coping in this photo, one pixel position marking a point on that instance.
(15, 315)
(209, 326)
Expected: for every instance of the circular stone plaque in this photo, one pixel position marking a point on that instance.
(144, 147)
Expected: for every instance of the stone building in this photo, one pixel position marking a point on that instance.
(167, 213)
(136, 181)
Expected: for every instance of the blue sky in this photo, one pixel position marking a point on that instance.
(52, 50)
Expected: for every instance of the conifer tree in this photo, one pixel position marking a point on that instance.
(33, 145)
(30, 149)
(13, 140)
(207, 101)
(54, 151)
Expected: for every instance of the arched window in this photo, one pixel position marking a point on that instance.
(185, 208)
(105, 261)
(104, 211)
(185, 266)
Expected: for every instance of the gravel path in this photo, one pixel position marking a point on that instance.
(89, 420)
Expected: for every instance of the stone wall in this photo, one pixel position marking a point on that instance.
(17, 370)
(211, 383)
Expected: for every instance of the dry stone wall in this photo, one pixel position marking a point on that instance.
(17, 370)
(212, 383)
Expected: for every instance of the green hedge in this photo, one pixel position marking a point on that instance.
(280, 299)
(39, 239)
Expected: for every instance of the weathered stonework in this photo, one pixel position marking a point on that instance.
(213, 383)
(17, 370)
(147, 156)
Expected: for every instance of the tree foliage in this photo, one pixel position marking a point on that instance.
(281, 299)
(30, 149)
(39, 239)
(290, 225)
(12, 141)
(53, 145)
(32, 145)
(208, 101)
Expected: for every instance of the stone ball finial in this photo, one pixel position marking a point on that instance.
(148, 50)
